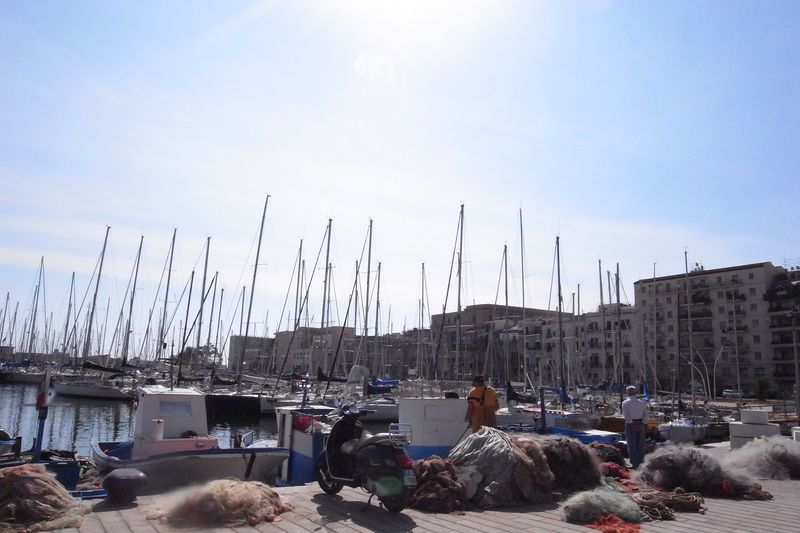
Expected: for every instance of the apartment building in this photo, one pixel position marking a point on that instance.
(709, 326)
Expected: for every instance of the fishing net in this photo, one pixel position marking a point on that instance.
(587, 506)
(574, 466)
(438, 488)
(614, 470)
(694, 471)
(226, 502)
(773, 457)
(32, 499)
(510, 472)
(610, 523)
(607, 453)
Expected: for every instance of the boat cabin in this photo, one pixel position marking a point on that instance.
(170, 420)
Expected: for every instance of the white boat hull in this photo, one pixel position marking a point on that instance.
(168, 471)
(682, 432)
(91, 390)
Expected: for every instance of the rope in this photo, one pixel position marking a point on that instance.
(664, 505)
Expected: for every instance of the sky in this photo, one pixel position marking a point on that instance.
(634, 131)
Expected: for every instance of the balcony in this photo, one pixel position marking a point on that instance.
(780, 322)
(782, 339)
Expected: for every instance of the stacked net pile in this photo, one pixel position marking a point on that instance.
(438, 488)
(224, 502)
(673, 466)
(575, 467)
(588, 506)
(32, 499)
(508, 472)
(773, 457)
(607, 453)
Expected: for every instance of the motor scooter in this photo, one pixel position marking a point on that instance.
(377, 463)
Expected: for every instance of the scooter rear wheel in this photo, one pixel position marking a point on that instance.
(397, 503)
(327, 483)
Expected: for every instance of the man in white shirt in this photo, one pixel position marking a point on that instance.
(635, 412)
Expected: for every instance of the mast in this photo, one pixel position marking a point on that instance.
(217, 353)
(689, 316)
(88, 341)
(185, 336)
(367, 298)
(325, 279)
(213, 305)
(602, 318)
(130, 309)
(203, 294)
(655, 336)
(524, 327)
(377, 317)
(460, 250)
(69, 313)
(298, 285)
(579, 348)
(32, 335)
(505, 320)
(562, 383)
(421, 321)
(619, 339)
(161, 341)
(252, 291)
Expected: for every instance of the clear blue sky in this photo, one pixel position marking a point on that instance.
(635, 130)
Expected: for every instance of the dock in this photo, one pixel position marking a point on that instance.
(317, 512)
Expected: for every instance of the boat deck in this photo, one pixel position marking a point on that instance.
(316, 512)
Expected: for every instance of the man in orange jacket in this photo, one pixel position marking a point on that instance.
(481, 405)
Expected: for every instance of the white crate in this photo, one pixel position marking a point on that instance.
(753, 416)
(740, 429)
(796, 433)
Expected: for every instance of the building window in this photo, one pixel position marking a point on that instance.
(754, 307)
(758, 371)
(671, 342)
(721, 308)
(719, 294)
(757, 356)
(669, 299)
(669, 314)
(752, 291)
(735, 277)
(719, 279)
(750, 275)
(755, 322)
(670, 328)
(644, 301)
(756, 339)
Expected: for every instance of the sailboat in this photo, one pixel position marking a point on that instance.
(110, 383)
(682, 429)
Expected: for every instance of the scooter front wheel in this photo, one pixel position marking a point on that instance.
(327, 483)
(395, 504)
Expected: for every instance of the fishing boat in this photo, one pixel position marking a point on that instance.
(172, 447)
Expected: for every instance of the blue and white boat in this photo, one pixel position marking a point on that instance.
(172, 447)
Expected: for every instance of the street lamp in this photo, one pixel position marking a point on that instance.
(714, 369)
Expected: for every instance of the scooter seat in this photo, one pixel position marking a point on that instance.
(378, 438)
(350, 447)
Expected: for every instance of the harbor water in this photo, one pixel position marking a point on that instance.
(74, 423)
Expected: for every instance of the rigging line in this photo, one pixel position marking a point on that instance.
(155, 301)
(552, 273)
(343, 325)
(446, 297)
(494, 312)
(231, 323)
(85, 295)
(288, 291)
(303, 303)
